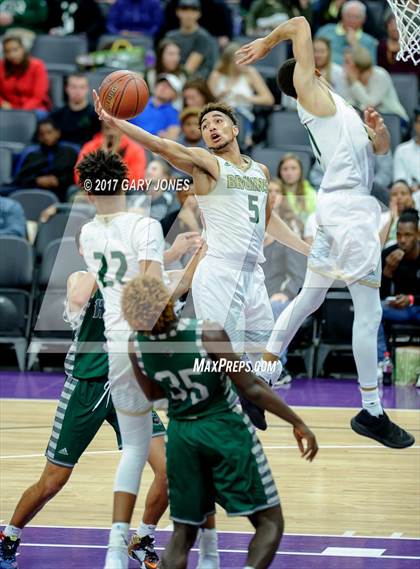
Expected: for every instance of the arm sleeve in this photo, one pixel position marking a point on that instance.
(148, 240)
(383, 169)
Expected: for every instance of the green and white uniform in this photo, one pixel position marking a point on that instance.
(212, 451)
(228, 286)
(85, 401)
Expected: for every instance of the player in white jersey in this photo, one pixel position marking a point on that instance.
(231, 189)
(118, 246)
(347, 245)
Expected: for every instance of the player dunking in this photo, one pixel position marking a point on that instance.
(347, 244)
(231, 190)
(213, 454)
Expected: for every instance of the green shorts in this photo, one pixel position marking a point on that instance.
(216, 459)
(83, 407)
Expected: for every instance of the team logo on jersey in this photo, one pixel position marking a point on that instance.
(253, 183)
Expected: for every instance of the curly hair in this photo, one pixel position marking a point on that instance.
(147, 305)
(101, 165)
(222, 108)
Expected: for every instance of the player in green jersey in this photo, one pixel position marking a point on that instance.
(83, 407)
(212, 451)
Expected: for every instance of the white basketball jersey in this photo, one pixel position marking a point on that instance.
(234, 213)
(341, 145)
(113, 246)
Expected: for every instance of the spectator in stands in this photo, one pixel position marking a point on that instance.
(331, 71)
(240, 86)
(198, 49)
(400, 278)
(299, 193)
(327, 12)
(12, 218)
(23, 79)
(370, 85)
(76, 17)
(27, 14)
(407, 156)
(156, 200)
(190, 128)
(389, 47)
(196, 93)
(216, 18)
(267, 14)
(400, 199)
(77, 119)
(135, 17)
(111, 140)
(348, 33)
(160, 116)
(47, 165)
(168, 60)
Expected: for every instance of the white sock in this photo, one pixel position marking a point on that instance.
(146, 529)
(208, 544)
(119, 534)
(371, 402)
(248, 567)
(13, 532)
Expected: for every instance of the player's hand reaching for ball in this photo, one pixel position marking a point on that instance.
(252, 52)
(381, 138)
(103, 115)
(303, 433)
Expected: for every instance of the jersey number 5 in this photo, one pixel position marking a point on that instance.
(253, 209)
(177, 388)
(103, 268)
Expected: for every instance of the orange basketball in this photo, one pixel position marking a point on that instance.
(123, 94)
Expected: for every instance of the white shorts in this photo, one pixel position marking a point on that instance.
(347, 245)
(236, 299)
(127, 396)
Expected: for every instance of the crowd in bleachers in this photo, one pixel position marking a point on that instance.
(185, 50)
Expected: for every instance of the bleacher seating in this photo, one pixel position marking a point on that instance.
(58, 226)
(407, 87)
(34, 201)
(56, 90)
(17, 126)
(16, 275)
(393, 122)
(6, 165)
(59, 53)
(284, 128)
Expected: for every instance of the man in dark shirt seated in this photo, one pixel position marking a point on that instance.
(12, 219)
(48, 165)
(400, 287)
(77, 120)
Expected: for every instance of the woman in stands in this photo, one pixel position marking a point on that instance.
(331, 71)
(196, 93)
(389, 47)
(239, 86)
(299, 193)
(23, 79)
(168, 60)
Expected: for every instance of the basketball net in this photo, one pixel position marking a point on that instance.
(407, 15)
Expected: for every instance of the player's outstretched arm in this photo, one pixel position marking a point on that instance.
(216, 343)
(80, 287)
(180, 156)
(299, 32)
(150, 388)
(181, 280)
(378, 131)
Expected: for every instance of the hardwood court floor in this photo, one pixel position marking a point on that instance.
(354, 485)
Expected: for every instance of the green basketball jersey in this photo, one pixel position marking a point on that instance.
(87, 357)
(171, 359)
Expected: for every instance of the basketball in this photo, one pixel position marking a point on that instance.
(123, 94)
